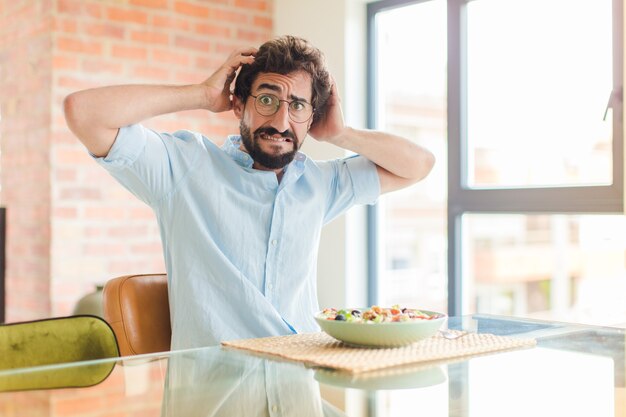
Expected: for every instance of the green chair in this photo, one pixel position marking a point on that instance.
(36, 344)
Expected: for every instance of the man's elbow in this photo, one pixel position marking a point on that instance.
(79, 120)
(82, 119)
(71, 110)
(425, 165)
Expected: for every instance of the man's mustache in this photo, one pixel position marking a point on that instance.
(270, 131)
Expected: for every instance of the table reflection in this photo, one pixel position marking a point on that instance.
(406, 377)
(226, 383)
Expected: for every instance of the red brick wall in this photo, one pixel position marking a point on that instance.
(85, 228)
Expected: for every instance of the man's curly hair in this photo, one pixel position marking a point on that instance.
(284, 55)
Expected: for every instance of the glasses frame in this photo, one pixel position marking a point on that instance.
(278, 107)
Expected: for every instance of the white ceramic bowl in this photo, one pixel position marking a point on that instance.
(386, 334)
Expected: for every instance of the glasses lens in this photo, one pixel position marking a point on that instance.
(266, 104)
(300, 111)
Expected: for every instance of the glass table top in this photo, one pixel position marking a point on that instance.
(575, 370)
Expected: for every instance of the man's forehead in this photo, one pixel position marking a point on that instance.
(296, 83)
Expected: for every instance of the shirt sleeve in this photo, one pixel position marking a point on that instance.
(149, 164)
(355, 181)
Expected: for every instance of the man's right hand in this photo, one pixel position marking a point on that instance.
(96, 115)
(218, 95)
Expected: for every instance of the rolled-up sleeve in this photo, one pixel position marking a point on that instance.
(365, 181)
(149, 164)
(128, 146)
(354, 181)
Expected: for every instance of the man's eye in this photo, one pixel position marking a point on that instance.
(297, 106)
(266, 100)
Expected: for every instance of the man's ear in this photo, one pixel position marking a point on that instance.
(237, 107)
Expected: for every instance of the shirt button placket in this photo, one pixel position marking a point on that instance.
(274, 243)
(272, 253)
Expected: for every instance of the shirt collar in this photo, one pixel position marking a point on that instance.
(231, 147)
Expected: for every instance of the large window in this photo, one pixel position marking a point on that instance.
(521, 102)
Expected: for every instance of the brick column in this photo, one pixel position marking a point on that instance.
(25, 96)
(70, 226)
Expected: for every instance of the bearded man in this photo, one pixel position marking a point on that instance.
(240, 224)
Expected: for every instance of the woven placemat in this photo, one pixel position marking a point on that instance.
(319, 349)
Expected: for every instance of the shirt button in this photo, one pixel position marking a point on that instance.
(274, 242)
(270, 286)
(274, 408)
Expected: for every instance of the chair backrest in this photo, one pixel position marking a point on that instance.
(137, 308)
(55, 341)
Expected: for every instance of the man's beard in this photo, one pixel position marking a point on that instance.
(258, 155)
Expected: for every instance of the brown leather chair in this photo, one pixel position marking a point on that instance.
(137, 308)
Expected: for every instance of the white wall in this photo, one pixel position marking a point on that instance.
(338, 28)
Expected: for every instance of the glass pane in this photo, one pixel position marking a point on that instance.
(539, 80)
(411, 90)
(562, 267)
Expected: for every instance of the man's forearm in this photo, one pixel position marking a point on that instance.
(95, 115)
(399, 156)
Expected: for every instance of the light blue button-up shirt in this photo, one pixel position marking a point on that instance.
(240, 248)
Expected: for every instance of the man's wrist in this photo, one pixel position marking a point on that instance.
(202, 94)
(342, 138)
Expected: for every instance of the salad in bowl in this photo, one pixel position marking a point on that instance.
(379, 326)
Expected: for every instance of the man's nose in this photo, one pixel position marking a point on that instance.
(280, 121)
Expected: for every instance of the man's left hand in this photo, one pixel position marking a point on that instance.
(331, 124)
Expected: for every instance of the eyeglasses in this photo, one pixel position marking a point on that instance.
(268, 105)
